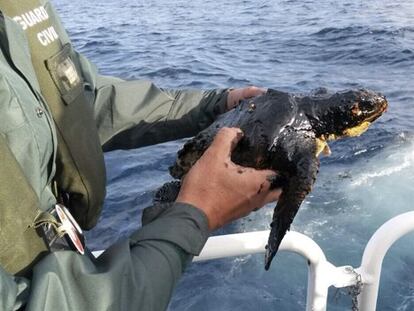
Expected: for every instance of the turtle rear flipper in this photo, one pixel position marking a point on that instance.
(306, 166)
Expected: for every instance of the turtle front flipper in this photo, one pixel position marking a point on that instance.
(285, 211)
(168, 192)
(192, 150)
(305, 166)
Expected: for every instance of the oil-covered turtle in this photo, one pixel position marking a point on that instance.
(286, 133)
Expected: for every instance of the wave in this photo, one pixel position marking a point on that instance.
(364, 45)
(358, 31)
(368, 178)
(393, 163)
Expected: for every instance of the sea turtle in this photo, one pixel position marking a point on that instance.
(285, 132)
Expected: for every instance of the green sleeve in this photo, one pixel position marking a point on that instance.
(135, 274)
(132, 114)
(14, 291)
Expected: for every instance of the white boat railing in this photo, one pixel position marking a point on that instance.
(321, 273)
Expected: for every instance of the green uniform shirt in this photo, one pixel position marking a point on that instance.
(139, 273)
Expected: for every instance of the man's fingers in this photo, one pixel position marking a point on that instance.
(253, 91)
(263, 181)
(225, 142)
(265, 176)
(233, 98)
(273, 195)
(236, 95)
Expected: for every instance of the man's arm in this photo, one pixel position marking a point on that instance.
(13, 291)
(131, 114)
(135, 274)
(141, 273)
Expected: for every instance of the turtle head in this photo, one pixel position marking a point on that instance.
(348, 113)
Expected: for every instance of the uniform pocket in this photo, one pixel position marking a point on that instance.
(65, 75)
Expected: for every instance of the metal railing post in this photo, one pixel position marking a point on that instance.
(255, 242)
(373, 256)
(321, 273)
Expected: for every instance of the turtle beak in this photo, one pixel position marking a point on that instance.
(384, 105)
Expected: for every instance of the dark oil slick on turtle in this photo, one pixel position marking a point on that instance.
(286, 133)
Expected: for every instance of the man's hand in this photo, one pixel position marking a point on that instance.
(223, 190)
(236, 95)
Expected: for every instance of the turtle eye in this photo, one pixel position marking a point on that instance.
(367, 105)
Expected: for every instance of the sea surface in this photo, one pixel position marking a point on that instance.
(294, 46)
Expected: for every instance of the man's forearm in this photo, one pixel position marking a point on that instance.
(132, 114)
(139, 273)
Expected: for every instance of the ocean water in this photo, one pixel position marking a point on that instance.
(294, 46)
